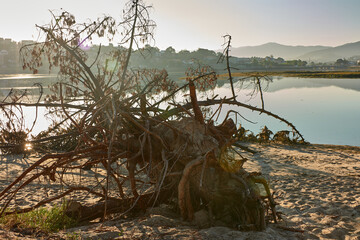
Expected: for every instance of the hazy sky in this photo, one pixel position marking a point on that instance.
(190, 24)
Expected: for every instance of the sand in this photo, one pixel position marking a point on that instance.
(317, 188)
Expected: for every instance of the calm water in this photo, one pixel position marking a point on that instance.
(323, 110)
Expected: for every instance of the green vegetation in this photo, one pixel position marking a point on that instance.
(73, 236)
(264, 136)
(270, 61)
(40, 220)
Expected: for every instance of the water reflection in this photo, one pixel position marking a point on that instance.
(25, 81)
(280, 83)
(324, 110)
(328, 115)
(25, 76)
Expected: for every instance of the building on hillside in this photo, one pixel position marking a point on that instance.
(3, 57)
(26, 42)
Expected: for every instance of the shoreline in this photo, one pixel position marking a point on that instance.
(303, 74)
(317, 188)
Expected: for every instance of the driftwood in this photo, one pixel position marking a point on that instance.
(182, 157)
(137, 152)
(84, 213)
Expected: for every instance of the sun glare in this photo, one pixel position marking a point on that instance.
(28, 147)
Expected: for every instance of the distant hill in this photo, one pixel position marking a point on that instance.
(275, 49)
(333, 53)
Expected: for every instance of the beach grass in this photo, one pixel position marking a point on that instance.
(40, 220)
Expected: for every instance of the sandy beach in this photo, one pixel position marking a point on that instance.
(317, 188)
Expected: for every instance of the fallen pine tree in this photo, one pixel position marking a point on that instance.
(113, 120)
